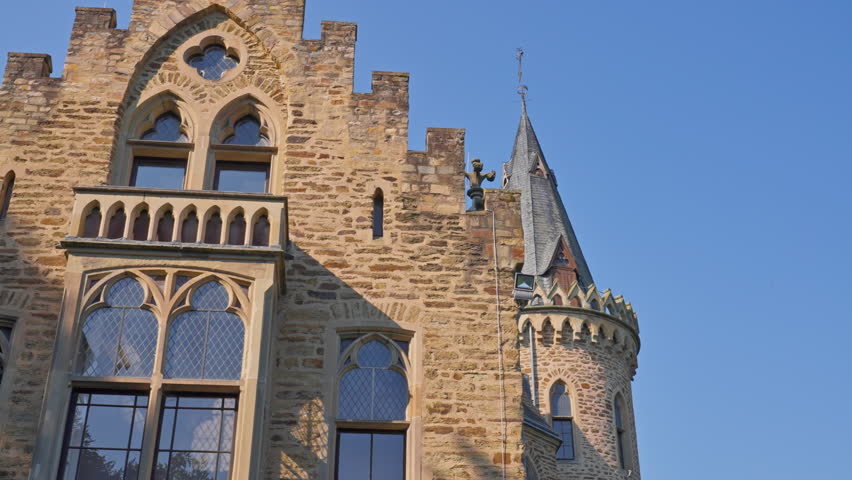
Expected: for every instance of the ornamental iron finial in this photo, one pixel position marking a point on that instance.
(476, 178)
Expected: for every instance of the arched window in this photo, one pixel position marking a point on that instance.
(206, 342)
(620, 431)
(378, 214)
(119, 339)
(6, 194)
(242, 148)
(161, 151)
(213, 61)
(372, 389)
(563, 420)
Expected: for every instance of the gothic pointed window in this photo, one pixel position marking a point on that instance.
(378, 214)
(206, 343)
(160, 154)
(119, 339)
(563, 420)
(244, 152)
(372, 390)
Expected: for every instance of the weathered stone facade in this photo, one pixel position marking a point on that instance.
(440, 277)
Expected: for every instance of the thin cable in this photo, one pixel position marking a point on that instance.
(499, 344)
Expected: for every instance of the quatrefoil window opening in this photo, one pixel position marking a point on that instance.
(213, 61)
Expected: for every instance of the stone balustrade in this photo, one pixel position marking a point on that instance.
(179, 216)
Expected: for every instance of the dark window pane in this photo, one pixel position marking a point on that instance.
(166, 129)
(101, 464)
(371, 456)
(247, 132)
(246, 177)
(6, 200)
(565, 430)
(378, 214)
(166, 227)
(353, 456)
(388, 456)
(158, 173)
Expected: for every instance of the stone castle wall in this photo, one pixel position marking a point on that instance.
(432, 274)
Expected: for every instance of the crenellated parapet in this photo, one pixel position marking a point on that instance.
(560, 317)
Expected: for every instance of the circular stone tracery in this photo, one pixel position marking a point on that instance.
(212, 60)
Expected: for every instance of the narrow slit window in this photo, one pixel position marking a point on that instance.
(6, 194)
(378, 214)
(620, 432)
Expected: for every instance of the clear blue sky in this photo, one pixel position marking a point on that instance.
(704, 151)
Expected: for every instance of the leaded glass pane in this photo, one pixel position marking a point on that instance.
(356, 394)
(166, 129)
(374, 354)
(391, 395)
(247, 132)
(126, 292)
(213, 62)
(203, 435)
(206, 343)
(210, 296)
(119, 340)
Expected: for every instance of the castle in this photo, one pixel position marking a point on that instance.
(217, 261)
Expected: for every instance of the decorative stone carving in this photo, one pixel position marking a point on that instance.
(476, 178)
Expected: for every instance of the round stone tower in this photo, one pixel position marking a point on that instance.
(578, 346)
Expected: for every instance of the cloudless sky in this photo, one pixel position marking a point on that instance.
(703, 149)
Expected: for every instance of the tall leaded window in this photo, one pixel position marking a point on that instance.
(620, 431)
(373, 389)
(563, 420)
(207, 341)
(119, 339)
(124, 319)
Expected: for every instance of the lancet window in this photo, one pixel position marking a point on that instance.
(620, 431)
(6, 187)
(372, 391)
(563, 420)
(160, 148)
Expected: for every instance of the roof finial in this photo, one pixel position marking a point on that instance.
(522, 89)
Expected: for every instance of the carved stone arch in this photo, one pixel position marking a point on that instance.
(176, 25)
(156, 103)
(553, 378)
(256, 103)
(547, 334)
(94, 297)
(366, 338)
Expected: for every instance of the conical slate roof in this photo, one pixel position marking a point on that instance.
(543, 214)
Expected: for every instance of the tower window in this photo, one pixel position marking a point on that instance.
(563, 420)
(6, 326)
(378, 214)
(620, 432)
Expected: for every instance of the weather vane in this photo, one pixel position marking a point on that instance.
(522, 89)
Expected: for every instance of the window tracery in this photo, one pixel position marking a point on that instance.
(563, 420)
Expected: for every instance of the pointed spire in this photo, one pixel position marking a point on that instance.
(543, 214)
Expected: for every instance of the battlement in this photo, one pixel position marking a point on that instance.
(93, 19)
(587, 299)
(338, 33)
(28, 65)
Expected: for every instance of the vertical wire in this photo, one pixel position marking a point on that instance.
(499, 344)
